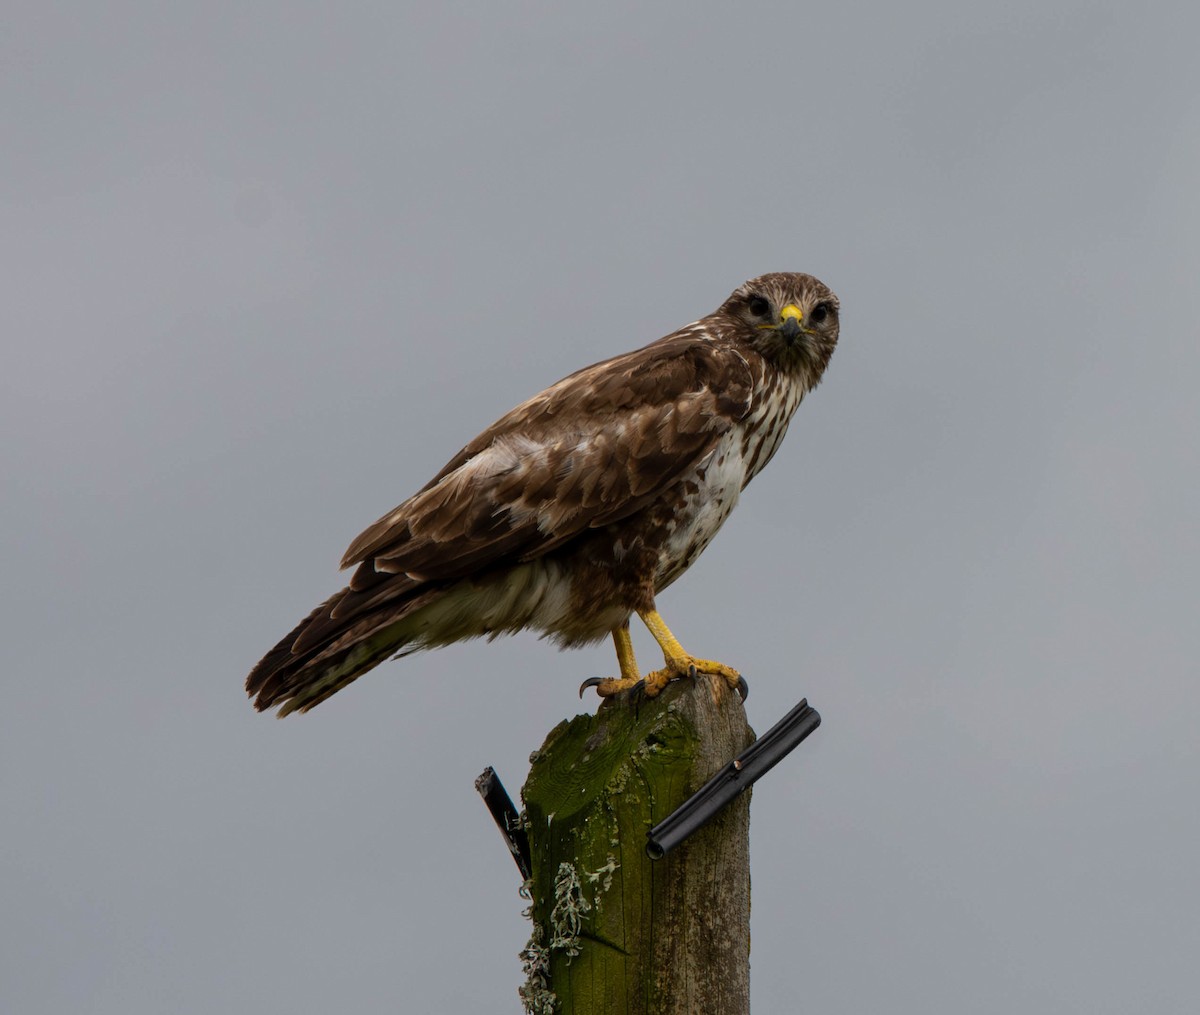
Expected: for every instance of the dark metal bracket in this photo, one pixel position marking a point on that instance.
(747, 768)
(507, 819)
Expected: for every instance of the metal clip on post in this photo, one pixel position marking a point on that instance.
(748, 767)
(507, 819)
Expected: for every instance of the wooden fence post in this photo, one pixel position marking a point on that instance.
(614, 932)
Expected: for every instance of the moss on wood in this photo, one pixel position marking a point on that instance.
(617, 932)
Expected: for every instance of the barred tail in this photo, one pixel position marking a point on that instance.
(347, 635)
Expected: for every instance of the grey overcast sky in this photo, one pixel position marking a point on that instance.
(266, 266)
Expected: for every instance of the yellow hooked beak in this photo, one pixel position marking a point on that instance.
(791, 321)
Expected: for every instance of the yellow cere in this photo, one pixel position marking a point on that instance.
(791, 311)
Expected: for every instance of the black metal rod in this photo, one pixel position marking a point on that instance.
(747, 768)
(500, 804)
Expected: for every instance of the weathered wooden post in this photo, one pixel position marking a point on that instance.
(614, 932)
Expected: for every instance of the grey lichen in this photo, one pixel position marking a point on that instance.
(566, 921)
(571, 907)
(610, 867)
(536, 996)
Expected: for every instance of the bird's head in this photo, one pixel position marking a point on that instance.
(790, 318)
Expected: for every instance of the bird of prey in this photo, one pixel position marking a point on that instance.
(576, 509)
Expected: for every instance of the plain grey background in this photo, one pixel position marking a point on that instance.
(266, 267)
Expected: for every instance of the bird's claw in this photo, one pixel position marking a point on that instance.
(606, 687)
(743, 688)
(590, 682)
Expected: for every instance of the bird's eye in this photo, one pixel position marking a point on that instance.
(759, 307)
(819, 313)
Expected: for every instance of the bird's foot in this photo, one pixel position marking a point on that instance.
(655, 681)
(682, 664)
(689, 666)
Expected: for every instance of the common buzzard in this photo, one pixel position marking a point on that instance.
(572, 512)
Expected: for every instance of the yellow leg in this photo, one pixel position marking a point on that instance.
(679, 662)
(630, 674)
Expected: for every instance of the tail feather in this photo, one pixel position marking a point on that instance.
(351, 604)
(323, 653)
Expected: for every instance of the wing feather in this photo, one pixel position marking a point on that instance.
(592, 449)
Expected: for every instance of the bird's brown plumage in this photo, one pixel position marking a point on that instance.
(573, 510)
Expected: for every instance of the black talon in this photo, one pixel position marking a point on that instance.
(590, 682)
(692, 671)
(743, 689)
